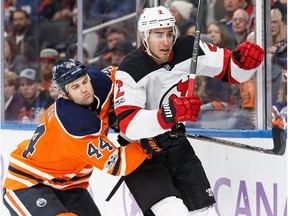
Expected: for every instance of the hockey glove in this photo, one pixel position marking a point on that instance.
(156, 144)
(179, 110)
(248, 55)
(179, 128)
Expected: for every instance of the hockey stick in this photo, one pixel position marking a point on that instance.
(192, 75)
(278, 135)
(115, 188)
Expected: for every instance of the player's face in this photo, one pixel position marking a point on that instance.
(81, 91)
(160, 43)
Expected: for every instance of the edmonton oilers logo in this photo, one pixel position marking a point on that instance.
(41, 202)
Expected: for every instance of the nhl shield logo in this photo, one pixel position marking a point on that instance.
(41, 202)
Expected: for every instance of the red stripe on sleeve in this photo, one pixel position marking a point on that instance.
(123, 124)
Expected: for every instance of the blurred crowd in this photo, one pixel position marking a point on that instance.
(38, 33)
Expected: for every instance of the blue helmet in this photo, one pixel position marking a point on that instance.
(65, 72)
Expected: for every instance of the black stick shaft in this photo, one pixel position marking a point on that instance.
(192, 75)
(278, 147)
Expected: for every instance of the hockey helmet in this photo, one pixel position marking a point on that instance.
(67, 71)
(156, 17)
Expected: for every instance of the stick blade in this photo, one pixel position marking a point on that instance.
(279, 140)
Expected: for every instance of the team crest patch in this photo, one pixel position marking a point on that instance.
(111, 161)
(41, 202)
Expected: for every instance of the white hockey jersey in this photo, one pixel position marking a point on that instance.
(142, 85)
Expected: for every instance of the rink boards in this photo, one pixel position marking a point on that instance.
(244, 182)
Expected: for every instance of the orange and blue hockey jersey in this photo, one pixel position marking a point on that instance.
(69, 141)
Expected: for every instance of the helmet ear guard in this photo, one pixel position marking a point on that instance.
(67, 71)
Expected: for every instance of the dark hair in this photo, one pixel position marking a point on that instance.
(14, 50)
(21, 11)
(186, 25)
(226, 41)
(72, 51)
(114, 29)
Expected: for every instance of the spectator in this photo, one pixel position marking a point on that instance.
(279, 109)
(12, 99)
(278, 50)
(24, 37)
(48, 59)
(90, 40)
(240, 25)
(230, 6)
(61, 9)
(248, 6)
(188, 27)
(113, 35)
(220, 35)
(9, 8)
(120, 50)
(182, 11)
(103, 11)
(281, 5)
(278, 30)
(71, 52)
(14, 61)
(35, 99)
(43, 10)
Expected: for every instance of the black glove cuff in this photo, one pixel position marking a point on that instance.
(168, 111)
(179, 128)
(236, 55)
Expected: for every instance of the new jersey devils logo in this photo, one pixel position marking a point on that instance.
(177, 90)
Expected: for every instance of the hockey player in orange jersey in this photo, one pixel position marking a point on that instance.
(49, 174)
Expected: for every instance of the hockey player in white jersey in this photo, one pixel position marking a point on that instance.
(150, 101)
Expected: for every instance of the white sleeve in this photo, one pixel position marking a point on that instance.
(211, 63)
(239, 74)
(217, 60)
(128, 93)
